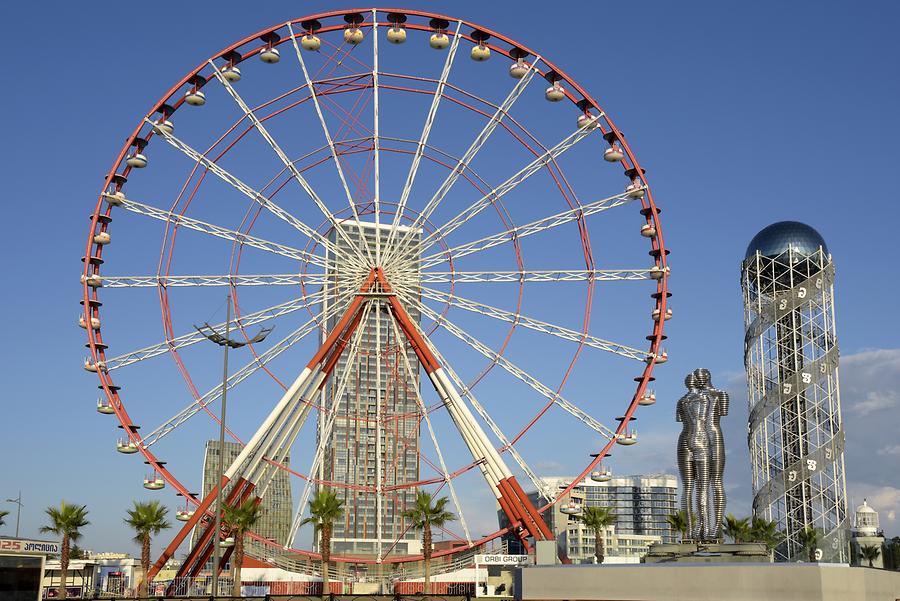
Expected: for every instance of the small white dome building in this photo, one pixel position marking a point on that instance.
(866, 532)
(866, 521)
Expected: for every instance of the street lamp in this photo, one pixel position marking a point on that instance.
(226, 343)
(17, 501)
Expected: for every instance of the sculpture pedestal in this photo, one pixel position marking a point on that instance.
(689, 552)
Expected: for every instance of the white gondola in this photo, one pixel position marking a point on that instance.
(613, 154)
(519, 69)
(183, 515)
(94, 367)
(195, 97)
(116, 198)
(310, 42)
(136, 160)
(396, 35)
(126, 446)
(627, 439)
(95, 323)
(649, 398)
(154, 482)
(227, 542)
(93, 280)
(102, 238)
(588, 121)
(635, 190)
(270, 55)
(555, 93)
(104, 407)
(439, 41)
(481, 53)
(661, 357)
(232, 74)
(657, 272)
(656, 313)
(571, 508)
(164, 126)
(648, 230)
(353, 35)
(601, 475)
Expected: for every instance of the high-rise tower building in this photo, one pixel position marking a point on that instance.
(373, 444)
(796, 437)
(277, 508)
(641, 503)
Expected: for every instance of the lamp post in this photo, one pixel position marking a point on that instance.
(18, 502)
(225, 342)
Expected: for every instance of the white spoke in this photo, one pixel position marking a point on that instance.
(537, 325)
(477, 144)
(465, 391)
(237, 377)
(281, 154)
(549, 275)
(509, 185)
(194, 336)
(218, 231)
(328, 426)
(516, 233)
(424, 409)
(376, 138)
(512, 369)
(334, 154)
(243, 188)
(180, 281)
(423, 138)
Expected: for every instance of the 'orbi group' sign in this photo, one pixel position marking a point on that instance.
(500, 559)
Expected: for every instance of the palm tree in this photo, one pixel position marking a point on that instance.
(766, 532)
(737, 529)
(3, 515)
(679, 522)
(147, 520)
(425, 513)
(870, 553)
(67, 521)
(809, 538)
(597, 519)
(324, 510)
(239, 520)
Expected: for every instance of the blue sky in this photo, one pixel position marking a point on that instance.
(743, 114)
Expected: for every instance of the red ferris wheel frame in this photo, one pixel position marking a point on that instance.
(173, 99)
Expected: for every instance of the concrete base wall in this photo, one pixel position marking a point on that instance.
(723, 582)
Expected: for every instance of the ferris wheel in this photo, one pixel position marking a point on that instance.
(460, 258)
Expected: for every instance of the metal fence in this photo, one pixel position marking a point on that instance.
(437, 596)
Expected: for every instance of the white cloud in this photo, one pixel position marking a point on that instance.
(547, 465)
(889, 450)
(875, 401)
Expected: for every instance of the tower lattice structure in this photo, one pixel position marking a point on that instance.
(796, 437)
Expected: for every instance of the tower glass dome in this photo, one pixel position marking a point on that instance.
(778, 238)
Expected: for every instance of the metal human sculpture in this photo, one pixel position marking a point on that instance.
(701, 455)
(719, 406)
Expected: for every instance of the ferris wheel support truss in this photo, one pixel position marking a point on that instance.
(252, 469)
